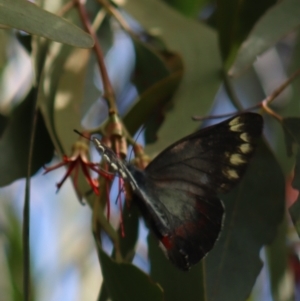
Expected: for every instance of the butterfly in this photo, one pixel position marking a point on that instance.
(178, 191)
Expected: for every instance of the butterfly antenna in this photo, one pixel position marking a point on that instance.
(82, 135)
(138, 135)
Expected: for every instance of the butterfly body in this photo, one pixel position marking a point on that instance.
(177, 192)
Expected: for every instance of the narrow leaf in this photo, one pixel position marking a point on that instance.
(24, 15)
(125, 282)
(198, 46)
(147, 103)
(291, 128)
(285, 16)
(254, 211)
(295, 214)
(14, 144)
(177, 285)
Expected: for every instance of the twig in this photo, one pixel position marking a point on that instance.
(68, 6)
(116, 14)
(108, 90)
(280, 89)
(263, 104)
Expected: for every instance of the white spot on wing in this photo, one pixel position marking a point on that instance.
(245, 148)
(234, 121)
(230, 173)
(245, 137)
(237, 128)
(236, 159)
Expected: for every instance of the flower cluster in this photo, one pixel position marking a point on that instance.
(79, 160)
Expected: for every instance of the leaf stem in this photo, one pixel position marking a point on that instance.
(26, 209)
(263, 104)
(108, 94)
(116, 14)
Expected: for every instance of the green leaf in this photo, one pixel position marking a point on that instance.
(198, 47)
(285, 16)
(11, 233)
(150, 67)
(291, 126)
(235, 19)
(295, 214)
(61, 98)
(254, 210)
(131, 227)
(125, 282)
(46, 95)
(277, 255)
(147, 103)
(177, 285)
(14, 143)
(296, 180)
(127, 243)
(188, 7)
(24, 15)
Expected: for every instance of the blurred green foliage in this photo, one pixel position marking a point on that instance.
(183, 58)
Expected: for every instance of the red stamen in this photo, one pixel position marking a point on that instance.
(121, 209)
(69, 171)
(47, 169)
(88, 178)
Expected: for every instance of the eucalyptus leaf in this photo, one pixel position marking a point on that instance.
(125, 282)
(147, 103)
(235, 20)
(198, 46)
(254, 210)
(14, 143)
(284, 16)
(27, 16)
(291, 126)
(295, 214)
(177, 285)
(278, 256)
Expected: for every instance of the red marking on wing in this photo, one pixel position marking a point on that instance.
(167, 242)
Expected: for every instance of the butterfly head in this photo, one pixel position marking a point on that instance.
(110, 157)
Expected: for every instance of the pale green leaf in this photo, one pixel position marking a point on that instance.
(26, 16)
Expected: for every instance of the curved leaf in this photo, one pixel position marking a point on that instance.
(148, 102)
(14, 143)
(177, 285)
(24, 15)
(295, 214)
(198, 46)
(254, 211)
(291, 127)
(285, 16)
(125, 282)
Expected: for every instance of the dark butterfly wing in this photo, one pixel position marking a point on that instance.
(178, 190)
(214, 158)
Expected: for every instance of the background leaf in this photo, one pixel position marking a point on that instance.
(14, 143)
(126, 282)
(177, 285)
(284, 16)
(234, 263)
(24, 15)
(235, 19)
(202, 65)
